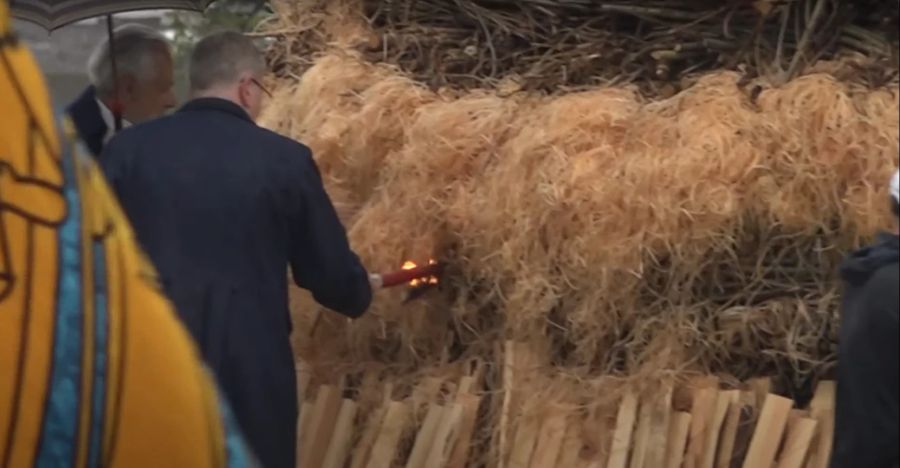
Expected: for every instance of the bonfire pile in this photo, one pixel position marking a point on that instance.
(628, 237)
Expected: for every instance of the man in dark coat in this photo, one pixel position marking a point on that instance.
(223, 208)
(868, 413)
(144, 81)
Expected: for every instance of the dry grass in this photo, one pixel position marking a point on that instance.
(697, 233)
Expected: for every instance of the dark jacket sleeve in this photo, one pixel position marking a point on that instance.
(868, 380)
(320, 255)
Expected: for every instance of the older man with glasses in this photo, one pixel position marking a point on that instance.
(223, 208)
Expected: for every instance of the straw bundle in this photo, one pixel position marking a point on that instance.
(627, 236)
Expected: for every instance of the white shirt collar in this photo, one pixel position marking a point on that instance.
(110, 121)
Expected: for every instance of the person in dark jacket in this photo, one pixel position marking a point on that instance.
(868, 381)
(224, 207)
(144, 81)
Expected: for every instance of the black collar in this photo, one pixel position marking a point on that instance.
(219, 105)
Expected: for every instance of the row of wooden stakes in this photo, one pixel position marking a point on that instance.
(332, 435)
(724, 429)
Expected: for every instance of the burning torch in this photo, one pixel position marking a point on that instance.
(420, 280)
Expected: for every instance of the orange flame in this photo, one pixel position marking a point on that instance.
(410, 265)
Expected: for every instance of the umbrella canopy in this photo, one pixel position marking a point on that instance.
(54, 14)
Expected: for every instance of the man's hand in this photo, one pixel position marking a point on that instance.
(376, 281)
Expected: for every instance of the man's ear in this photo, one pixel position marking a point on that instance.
(127, 87)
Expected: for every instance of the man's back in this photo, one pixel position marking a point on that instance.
(868, 378)
(222, 208)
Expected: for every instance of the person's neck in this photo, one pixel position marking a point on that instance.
(227, 95)
(110, 105)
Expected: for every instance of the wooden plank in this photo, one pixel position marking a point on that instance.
(729, 433)
(304, 377)
(762, 388)
(466, 385)
(549, 442)
(573, 443)
(524, 443)
(462, 450)
(509, 360)
(339, 448)
(306, 412)
(445, 437)
(679, 430)
(373, 429)
(769, 432)
(702, 418)
(618, 456)
(822, 410)
(313, 414)
(425, 438)
(746, 428)
(328, 405)
(796, 448)
(713, 436)
(642, 435)
(660, 422)
(385, 449)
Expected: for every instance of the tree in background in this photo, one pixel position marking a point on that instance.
(223, 15)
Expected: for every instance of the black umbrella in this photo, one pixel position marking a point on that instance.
(54, 14)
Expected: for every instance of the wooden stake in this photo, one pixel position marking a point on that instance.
(769, 431)
(642, 435)
(445, 437)
(509, 362)
(425, 438)
(328, 405)
(729, 433)
(306, 412)
(373, 429)
(549, 442)
(796, 448)
(523, 446)
(618, 457)
(761, 388)
(660, 425)
(460, 456)
(570, 455)
(466, 385)
(339, 449)
(746, 428)
(679, 429)
(702, 418)
(723, 403)
(385, 449)
(309, 423)
(822, 410)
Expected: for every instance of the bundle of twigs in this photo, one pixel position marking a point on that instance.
(548, 44)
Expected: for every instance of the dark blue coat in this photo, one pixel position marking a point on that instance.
(85, 114)
(868, 394)
(223, 208)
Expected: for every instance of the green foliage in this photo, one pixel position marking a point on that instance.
(223, 15)
(234, 15)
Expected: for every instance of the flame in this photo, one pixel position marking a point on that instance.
(410, 265)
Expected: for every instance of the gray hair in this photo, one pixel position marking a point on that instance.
(221, 58)
(136, 49)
